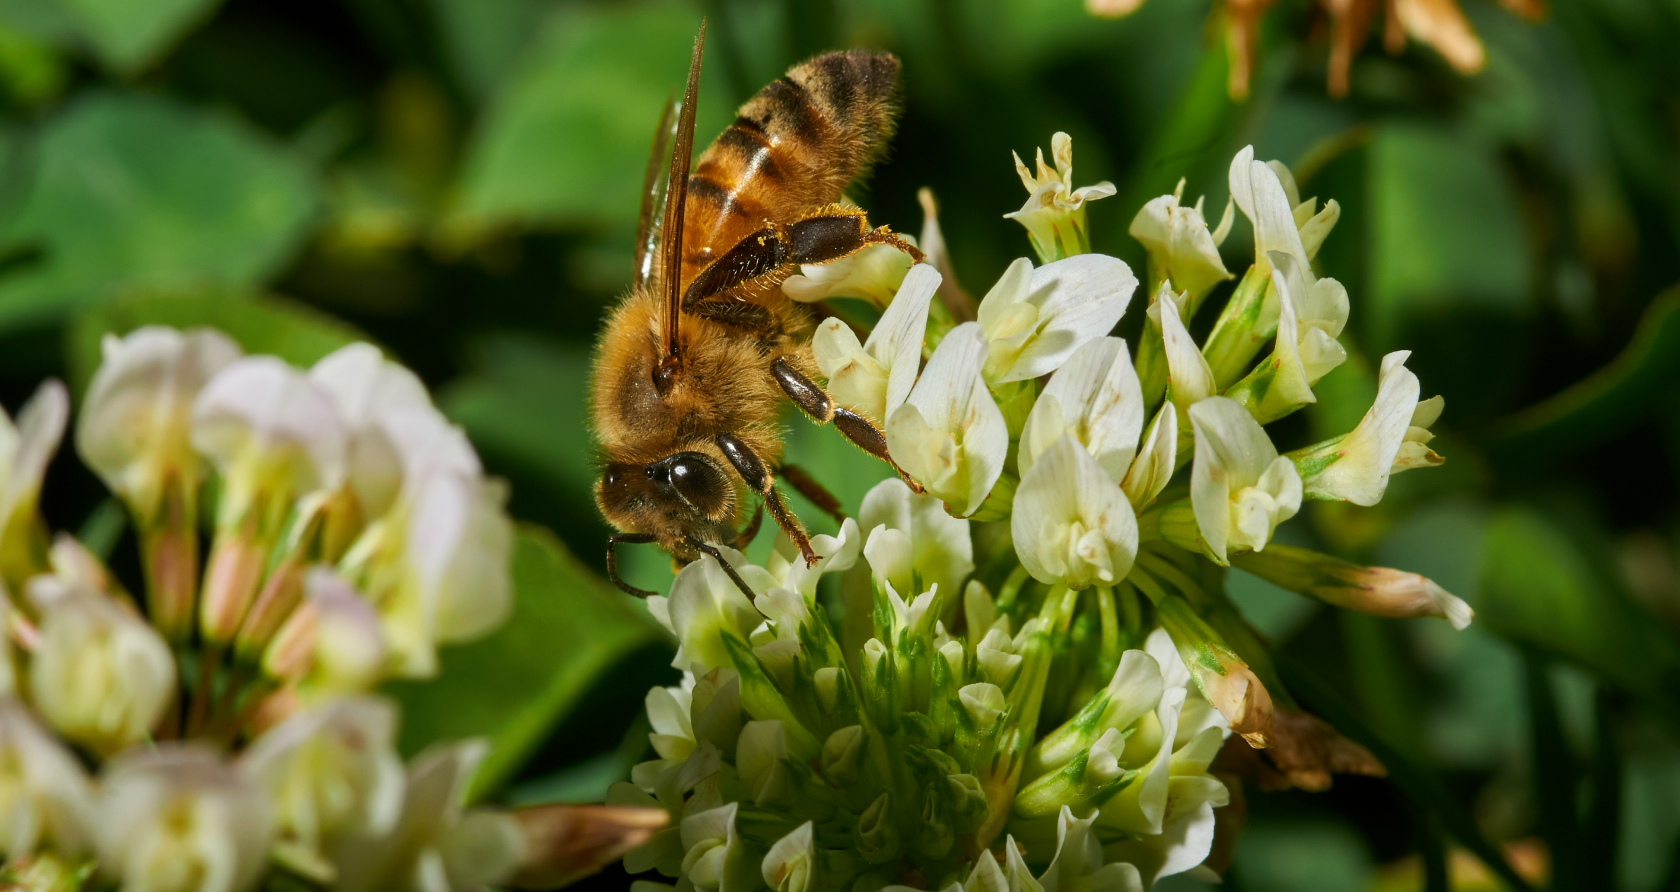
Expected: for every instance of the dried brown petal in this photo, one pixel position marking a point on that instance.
(565, 843)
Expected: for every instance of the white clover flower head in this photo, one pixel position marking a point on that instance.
(1054, 213)
(134, 426)
(1181, 249)
(1035, 319)
(873, 274)
(950, 435)
(874, 378)
(180, 819)
(330, 771)
(1240, 487)
(46, 798)
(1095, 396)
(99, 675)
(1072, 523)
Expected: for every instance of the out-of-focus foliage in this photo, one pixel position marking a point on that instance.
(457, 179)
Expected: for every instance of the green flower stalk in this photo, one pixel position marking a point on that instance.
(907, 728)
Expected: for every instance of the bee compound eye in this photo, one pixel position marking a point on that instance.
(660, 472)
(699, 482)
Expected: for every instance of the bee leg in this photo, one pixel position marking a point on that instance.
(745, 537)
(612, 561)
(807, 486)
(816, 239)
(753, 470)
(751, 318)
(820, 407)
(734, 577)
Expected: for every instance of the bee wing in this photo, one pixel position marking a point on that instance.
(675, 199)
(655, 187)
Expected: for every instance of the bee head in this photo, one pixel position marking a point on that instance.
(681, 496)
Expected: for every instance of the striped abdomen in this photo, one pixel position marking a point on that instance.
(792, 149)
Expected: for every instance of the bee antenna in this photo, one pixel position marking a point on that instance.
(672, 229)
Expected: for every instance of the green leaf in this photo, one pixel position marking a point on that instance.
(1404, 768)
(130, 34)
(1445, 230)
(1607, 403)
(567, 630)
(1539, 587)
(567, 137)
(484, 38)
(296, 333)
(137, 194)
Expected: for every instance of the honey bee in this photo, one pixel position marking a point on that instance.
(694, 362)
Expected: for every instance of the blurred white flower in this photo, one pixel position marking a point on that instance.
(137, 413)
(99, 675)
(1240, 487)
(332, 642)
(1355, 468)
(1181, 249)
(873, 274)
(1054, 214)
(366, 387)
(328, 771)
(436, 844)
(46, 798)
(912, 542)
(949, 435)
(179, 819)
(271, 432)
(1072, 524)
(1096, 397)
(27, 447)
(873, 378)
(1034, 319)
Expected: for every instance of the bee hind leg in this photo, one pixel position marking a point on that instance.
(612, 562)
(821, 408)
(757, 475)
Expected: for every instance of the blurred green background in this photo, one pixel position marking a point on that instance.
(457, 180)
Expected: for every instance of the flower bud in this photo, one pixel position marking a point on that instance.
(758, 760)
(999, 663)
(842, 755)
(716, 857)
(100, 676)
(1156, 460)
(179, 819)
(1379, 591)
(967, 802)
(876, 836)
(46, 800)
(791, 864)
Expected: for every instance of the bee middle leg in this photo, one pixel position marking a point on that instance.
(815, 239)
(757, 476)
(821, 408)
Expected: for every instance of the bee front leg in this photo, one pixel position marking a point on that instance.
(757, 476)
(821, 408)
(612, 561)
